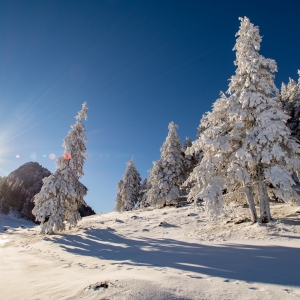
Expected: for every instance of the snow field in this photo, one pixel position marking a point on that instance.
(163, 254)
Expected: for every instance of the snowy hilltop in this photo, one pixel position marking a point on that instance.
(18, 189)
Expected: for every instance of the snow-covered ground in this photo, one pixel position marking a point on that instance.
(156, 254)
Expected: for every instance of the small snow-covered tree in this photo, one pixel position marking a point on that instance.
(189, 162)
(131, 187)
(118, 200)
(145, 186)
(195, 154)
(208, 179)
(166, 176)
(187, 143)
(290, 98)
(56, 205)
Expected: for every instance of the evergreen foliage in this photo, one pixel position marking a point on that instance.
(128, 189)
(190, 184)
(246, 142)
(131, 187)
(86, 211)
(57, 204)
(167, 174)
(118, 200)
(290, 98)
(145, 187)
(187, 144)
(190, 162)
(195, 154)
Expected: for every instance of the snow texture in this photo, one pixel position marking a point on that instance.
(174, 253)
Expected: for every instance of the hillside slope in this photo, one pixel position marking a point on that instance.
(20, 186)
(154, 254)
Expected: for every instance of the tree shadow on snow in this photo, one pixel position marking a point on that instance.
(265, 264)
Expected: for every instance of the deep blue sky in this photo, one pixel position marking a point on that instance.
(138, 64)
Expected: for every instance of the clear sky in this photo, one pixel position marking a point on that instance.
(138, 64)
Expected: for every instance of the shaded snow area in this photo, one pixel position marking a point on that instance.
(171, 253)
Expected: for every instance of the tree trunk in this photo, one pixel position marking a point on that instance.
(265, 213)
(249, 195)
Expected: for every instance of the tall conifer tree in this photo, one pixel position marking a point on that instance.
(56, 205)
(247, 138)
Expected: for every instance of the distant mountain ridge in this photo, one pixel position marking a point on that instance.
(20, 186)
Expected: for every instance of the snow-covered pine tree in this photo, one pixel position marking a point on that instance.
(118, 200)
(208, 179)
(204, 124)
(247, 138)
(75, 150)
(166, 176)
(290, 98)
(131, 187)
(56, 205)
(191, 160)
(268, 149)
(145, 187)
(195, 153)
(187, 143)
(4, 186)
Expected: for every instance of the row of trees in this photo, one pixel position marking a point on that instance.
(165, 180)
(246, 145)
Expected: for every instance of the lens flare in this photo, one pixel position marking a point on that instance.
(17, 156)
(52, 156)
(67, 156)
